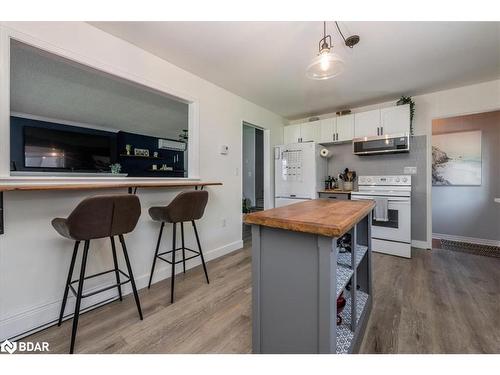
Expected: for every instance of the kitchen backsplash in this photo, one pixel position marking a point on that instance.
(391, 164)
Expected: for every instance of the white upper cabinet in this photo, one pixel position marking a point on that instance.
(367, 124)
(344, 128)
(310, 131)
(395, 120)
(291, 134)
(327, 130)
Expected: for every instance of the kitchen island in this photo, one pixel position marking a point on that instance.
(299, 272)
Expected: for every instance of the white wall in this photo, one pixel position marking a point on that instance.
(34, 259)
(481, 97)
(248, 171)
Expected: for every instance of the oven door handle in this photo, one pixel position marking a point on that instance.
(389, 200)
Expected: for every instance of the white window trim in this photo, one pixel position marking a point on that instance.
(6, 34)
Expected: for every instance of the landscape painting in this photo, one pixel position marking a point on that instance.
(456, 158)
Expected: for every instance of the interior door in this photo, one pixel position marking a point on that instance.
(345, 128)
(367, 124)
(291, 134)
(395, 120)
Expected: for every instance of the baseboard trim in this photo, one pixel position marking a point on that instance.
(478, 241)
(43, 316)
(420, 244)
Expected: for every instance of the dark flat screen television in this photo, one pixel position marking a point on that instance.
(53, 149)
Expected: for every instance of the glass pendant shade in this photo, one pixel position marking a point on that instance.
(326, 65)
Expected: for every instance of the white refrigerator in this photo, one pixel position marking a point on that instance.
(299, 173)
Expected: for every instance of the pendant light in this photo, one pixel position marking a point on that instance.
(327, 64)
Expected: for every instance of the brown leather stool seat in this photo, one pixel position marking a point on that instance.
(186, 206)
(98, 217)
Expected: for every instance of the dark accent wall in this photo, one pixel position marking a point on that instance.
(17, 125)
(470, 211)
(391, 164)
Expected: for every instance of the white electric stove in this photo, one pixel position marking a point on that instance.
(394, 235)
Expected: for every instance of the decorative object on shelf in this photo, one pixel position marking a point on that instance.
(128, 148)
(340, 307)
(115, 168)
(169, 144)
(348, 177)
(154, 167)
(344, 243)
(184, 135)
(408, 100)
(155, 154)
(141, 152)
(456, 159)
(343, 113)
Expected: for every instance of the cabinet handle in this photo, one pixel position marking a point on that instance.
(337, 136)
(332, 197)
(378, 130)
(381, 130)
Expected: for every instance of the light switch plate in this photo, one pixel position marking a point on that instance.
(224, 150)
(410, 170)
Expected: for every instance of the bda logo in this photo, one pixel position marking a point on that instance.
(8, 347)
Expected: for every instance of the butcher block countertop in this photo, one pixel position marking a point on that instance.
(330, 218)
(76, 185)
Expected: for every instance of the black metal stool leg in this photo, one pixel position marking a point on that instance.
(156, 254)
(68, 281)
(172, 278)
(79, 296)
(117, 273)
(201, 252)
(131, 275)
(183, 248)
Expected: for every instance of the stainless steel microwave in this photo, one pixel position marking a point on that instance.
(382, 144)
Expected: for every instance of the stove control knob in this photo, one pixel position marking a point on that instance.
(368, 179)
(405, 179)
(397, 179)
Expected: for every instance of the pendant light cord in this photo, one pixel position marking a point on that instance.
(340, 31)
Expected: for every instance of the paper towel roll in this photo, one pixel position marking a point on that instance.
(324, 153)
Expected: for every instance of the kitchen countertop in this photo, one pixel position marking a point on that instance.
(326, 217)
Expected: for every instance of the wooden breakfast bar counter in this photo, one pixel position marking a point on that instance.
(130, 184)
(298, 273)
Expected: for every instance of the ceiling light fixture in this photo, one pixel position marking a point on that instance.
(327, 64)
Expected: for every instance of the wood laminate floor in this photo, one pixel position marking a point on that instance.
(437, 302)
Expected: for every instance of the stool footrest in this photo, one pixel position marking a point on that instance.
(197, 254)
(102, 289)
(178, 249)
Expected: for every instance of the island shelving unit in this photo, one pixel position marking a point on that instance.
(298, 272)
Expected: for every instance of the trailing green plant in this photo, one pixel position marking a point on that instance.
(408, 100)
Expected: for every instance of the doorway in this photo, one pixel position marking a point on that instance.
(253, 168)
(466, 183)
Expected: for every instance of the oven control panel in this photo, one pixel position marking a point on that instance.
(401, 180)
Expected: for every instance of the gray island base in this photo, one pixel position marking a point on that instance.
(297, 277)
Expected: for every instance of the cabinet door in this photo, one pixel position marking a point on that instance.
(395, 120)
(310, 131)
(367, 124)
(327, 130)
(291, 134)
(345, 128)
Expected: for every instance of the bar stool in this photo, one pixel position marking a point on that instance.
(186, 206)
(98, 217)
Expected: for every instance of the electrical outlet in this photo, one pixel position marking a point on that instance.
(410, 170)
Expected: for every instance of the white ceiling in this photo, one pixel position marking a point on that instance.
(46, 85)
(265, 61)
